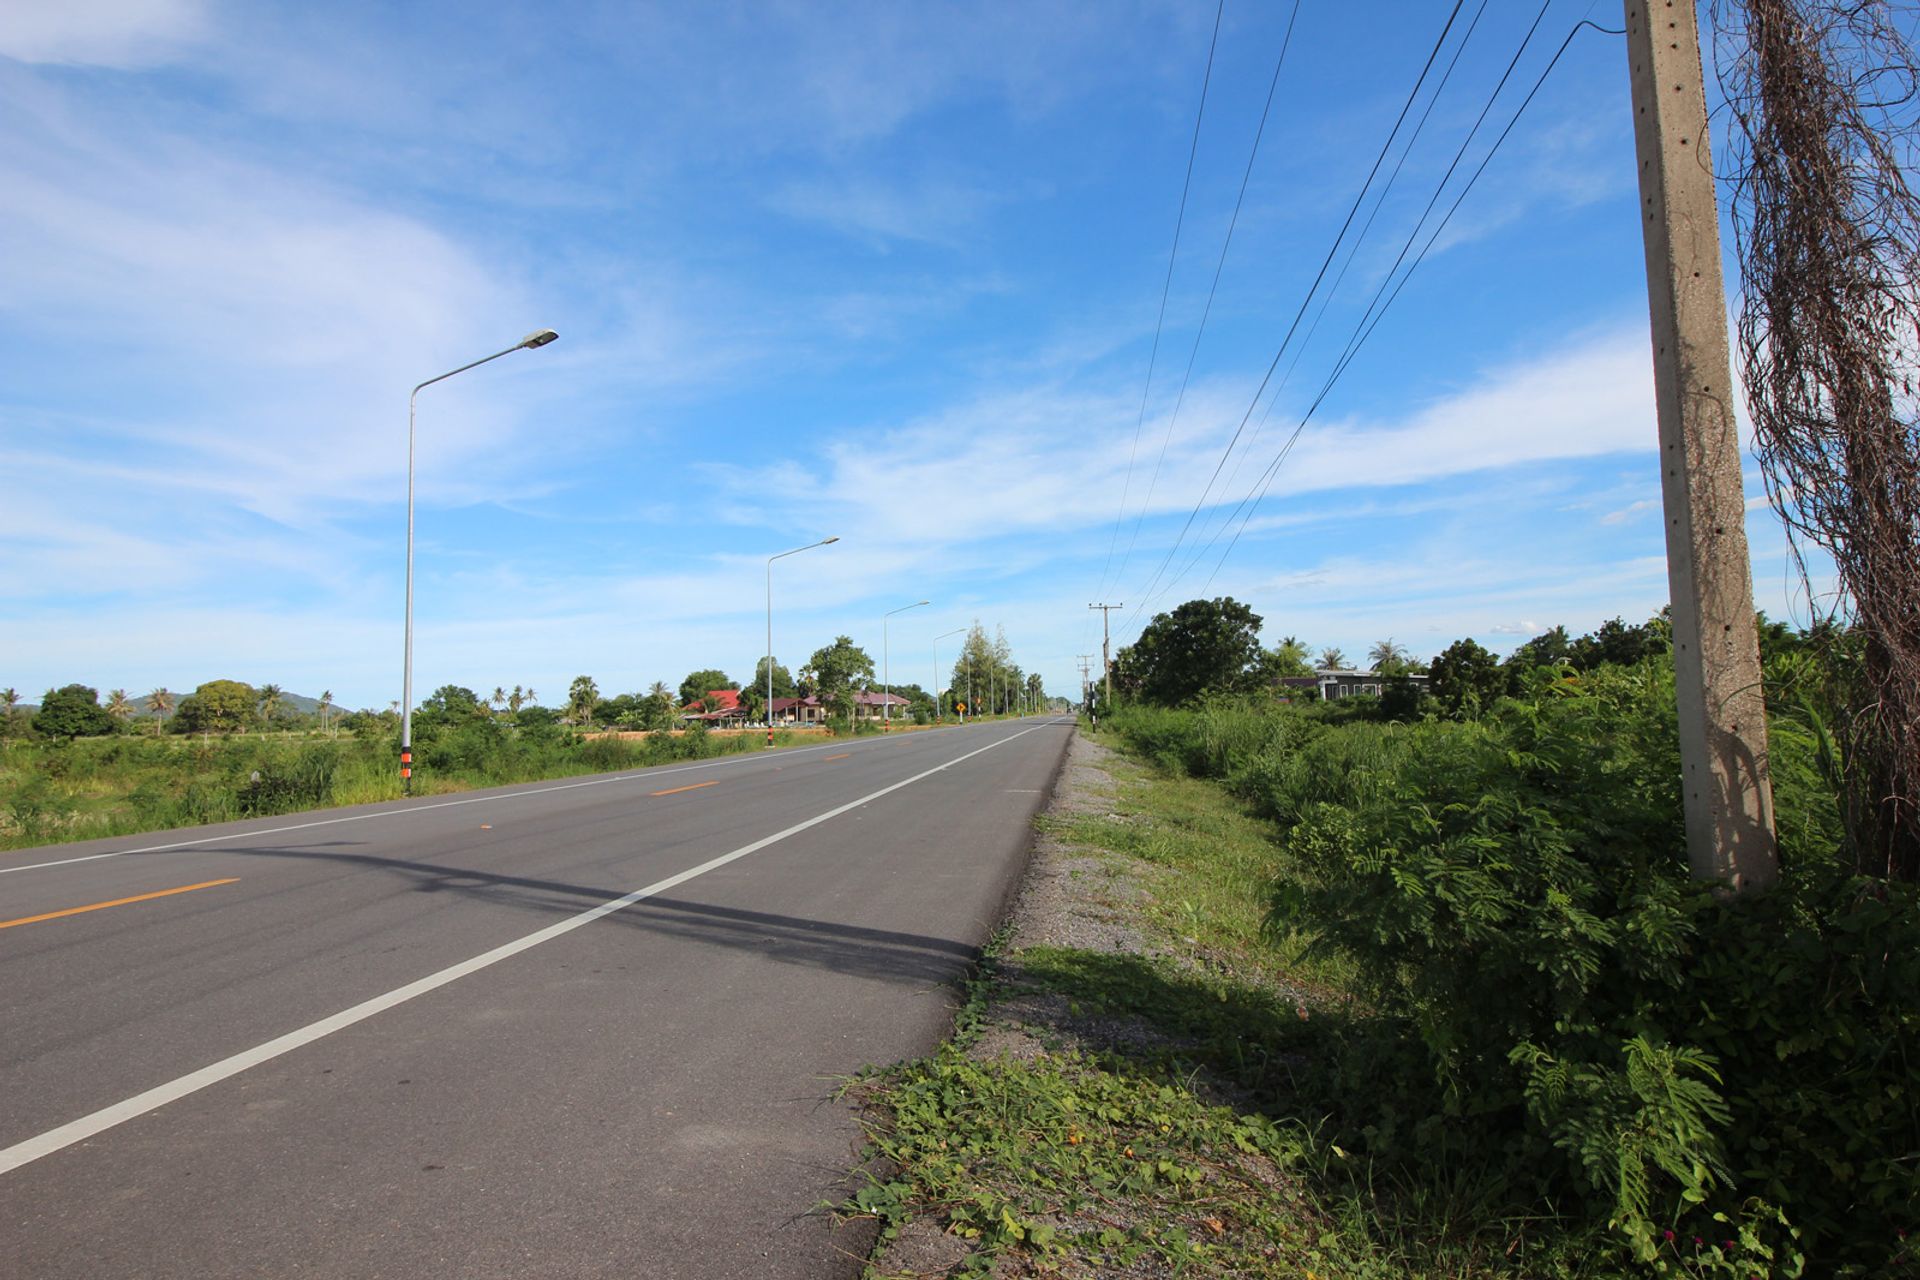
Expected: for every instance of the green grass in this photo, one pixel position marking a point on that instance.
(53, 792)
(1170, 1130)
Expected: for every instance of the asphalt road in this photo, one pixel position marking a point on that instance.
(583, 1028)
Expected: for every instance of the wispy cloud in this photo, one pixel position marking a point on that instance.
(100, 33)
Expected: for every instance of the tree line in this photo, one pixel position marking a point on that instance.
(985, 680)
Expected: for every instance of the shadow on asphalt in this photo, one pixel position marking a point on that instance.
(908, 959)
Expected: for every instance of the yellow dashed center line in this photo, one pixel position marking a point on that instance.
(674, 791)
(117, 902)
(842, 756)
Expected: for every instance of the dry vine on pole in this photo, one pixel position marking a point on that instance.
(1821, 98)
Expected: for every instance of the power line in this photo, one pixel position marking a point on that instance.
(1348, 348)
(1206, 312)
(1166, 287)
(1360, 338)
(1353, 251)
(1307, 301)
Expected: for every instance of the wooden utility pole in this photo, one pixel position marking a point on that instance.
(1727, 794)
(1106, 644)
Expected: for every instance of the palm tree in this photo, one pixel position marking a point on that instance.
(499, 698)
(581, 699)
(119, 706)
(1332, 659)
(326, 704)
(1386, 653)
(160, 702)
(270, 696)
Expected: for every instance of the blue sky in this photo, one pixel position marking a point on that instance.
(888, 272)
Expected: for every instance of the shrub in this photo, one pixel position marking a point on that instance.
(1561, 1007)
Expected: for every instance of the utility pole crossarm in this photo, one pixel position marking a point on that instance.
(1106, 644)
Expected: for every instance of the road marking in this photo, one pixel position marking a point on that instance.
(424, 808)
(842, 756)
(691, 786)
(117, 902)
(22, 1153)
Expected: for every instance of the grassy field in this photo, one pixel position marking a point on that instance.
(61, 791)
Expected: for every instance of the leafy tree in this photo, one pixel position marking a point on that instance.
(1286, 660)
(218, 706)
(9, 704)
(270, 696)
(582, 696)
(1548, 649)
(753, 701)
(655, 710)
(699, 684)
(1333, 660)
(1618, 643)
(1466, 678)
(973, 670)
(1203, 646)
(837, 671)
(450, 705)
(452, 702)
(782, 680)
(72, 711)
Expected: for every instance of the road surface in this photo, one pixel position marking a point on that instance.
(578, 1028)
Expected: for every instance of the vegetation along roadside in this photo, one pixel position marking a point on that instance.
(1293, 992)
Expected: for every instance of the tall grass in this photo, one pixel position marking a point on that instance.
(54, 792)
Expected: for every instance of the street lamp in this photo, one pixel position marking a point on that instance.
(886, 665)
(538, 338)
(770, 559)
(936, 667)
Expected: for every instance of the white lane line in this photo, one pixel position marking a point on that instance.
(88, 1126)
(746, 758)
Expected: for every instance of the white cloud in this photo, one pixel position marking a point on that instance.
(100, 33)
(1627, 512)
(932, 212)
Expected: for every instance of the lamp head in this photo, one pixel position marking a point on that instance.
(538, 338)
(834, 538)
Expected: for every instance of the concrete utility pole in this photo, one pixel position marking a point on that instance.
(1086, 679)
(1725, 785)
(1106, 643)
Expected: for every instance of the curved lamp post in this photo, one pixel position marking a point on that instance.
(886, 666)
(936, 666)
(538, 338)
(770, 559)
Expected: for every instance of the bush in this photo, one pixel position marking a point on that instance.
(1562, 1008)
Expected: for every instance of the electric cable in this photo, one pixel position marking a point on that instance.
(1207, 311)
(1307, 301)
(1166, 287)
